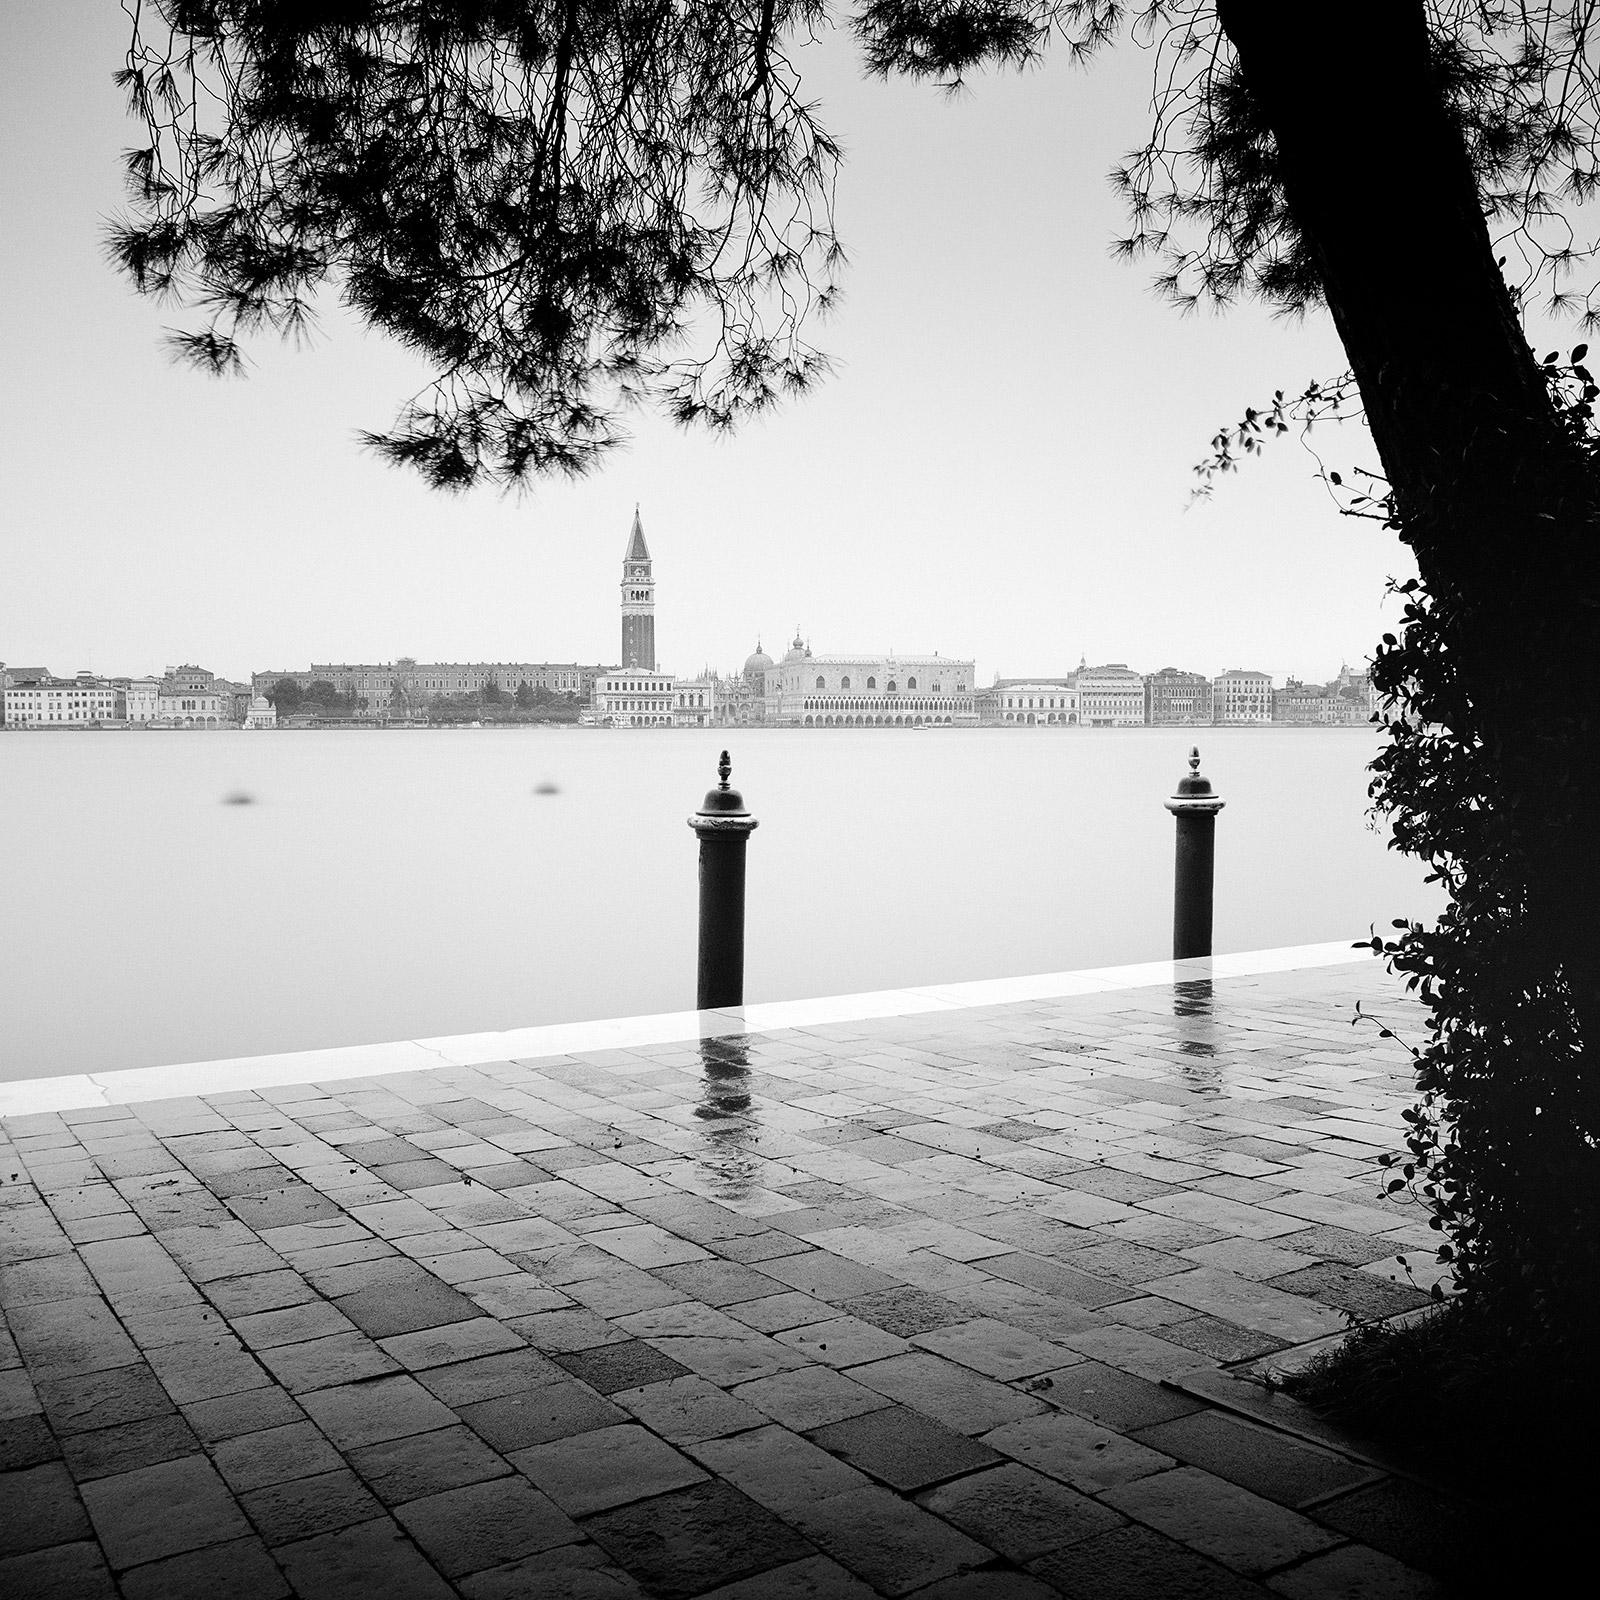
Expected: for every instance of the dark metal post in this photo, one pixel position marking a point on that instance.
(1196, 808)
(722, 825)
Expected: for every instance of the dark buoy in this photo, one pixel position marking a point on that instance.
(238, 797)
(546, 788)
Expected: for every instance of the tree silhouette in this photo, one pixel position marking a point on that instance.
(568, 206)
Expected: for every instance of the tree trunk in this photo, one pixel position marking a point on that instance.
(1492, 493)
(1378, 179)
(1499, 500)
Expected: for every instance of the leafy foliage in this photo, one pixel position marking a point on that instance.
(1205, 193)
(565, 206)
(1489, 781)
(1503, 1145)
(1319, 402)
(286, 695)
(569, 207)
(492, 705)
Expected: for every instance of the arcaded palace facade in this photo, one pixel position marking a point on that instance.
(809, 691)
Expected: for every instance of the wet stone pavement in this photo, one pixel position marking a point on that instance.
(874, 1308)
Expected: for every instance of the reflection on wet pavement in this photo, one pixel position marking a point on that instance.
(724, 1108)
(843, 1309)
(1196, 1036)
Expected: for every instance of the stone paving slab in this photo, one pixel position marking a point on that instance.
(864, 1306)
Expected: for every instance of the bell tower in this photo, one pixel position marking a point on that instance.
(638, 603)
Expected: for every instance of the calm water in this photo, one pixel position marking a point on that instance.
(407, 884)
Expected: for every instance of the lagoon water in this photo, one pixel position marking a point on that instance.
(392, 885)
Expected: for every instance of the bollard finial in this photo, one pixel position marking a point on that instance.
(1194, 791)
(722, 805)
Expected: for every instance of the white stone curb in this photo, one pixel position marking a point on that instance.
(79, 1091)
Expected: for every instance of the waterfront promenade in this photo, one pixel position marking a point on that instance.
(935, 1293)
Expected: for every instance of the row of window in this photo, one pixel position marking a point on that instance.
(861, 702)
(878, 722)
(387, 683)
(889, 688)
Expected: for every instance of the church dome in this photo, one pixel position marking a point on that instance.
(797, 650)
(755, 666)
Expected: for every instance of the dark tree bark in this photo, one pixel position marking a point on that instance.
(1498, 496)
(1491, 490)
(1377, 178)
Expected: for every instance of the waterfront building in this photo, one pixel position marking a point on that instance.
(1111, 696)
(189, 679)
(638, 603)
(17, 678)
(1343, 703)
(625, 699)
(1359, 686)
(139, 699)
(402, 689)
(638, 694)
(262, 713)
(694, 702)
(742, 698)
(1032, 702)
(191, 697)
(848, 691)
(1177, 699)
(1241, 697)
(79, 702)
(374, 683)
(236, 698)
(192, 708)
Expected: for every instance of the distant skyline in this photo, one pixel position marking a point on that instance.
(1000, 467)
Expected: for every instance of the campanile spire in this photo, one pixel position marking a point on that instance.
(638, 602)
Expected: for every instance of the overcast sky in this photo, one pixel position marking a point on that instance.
(1001, 467)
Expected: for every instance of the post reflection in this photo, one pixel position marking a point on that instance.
(1193, 1005)
(724, 1109)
